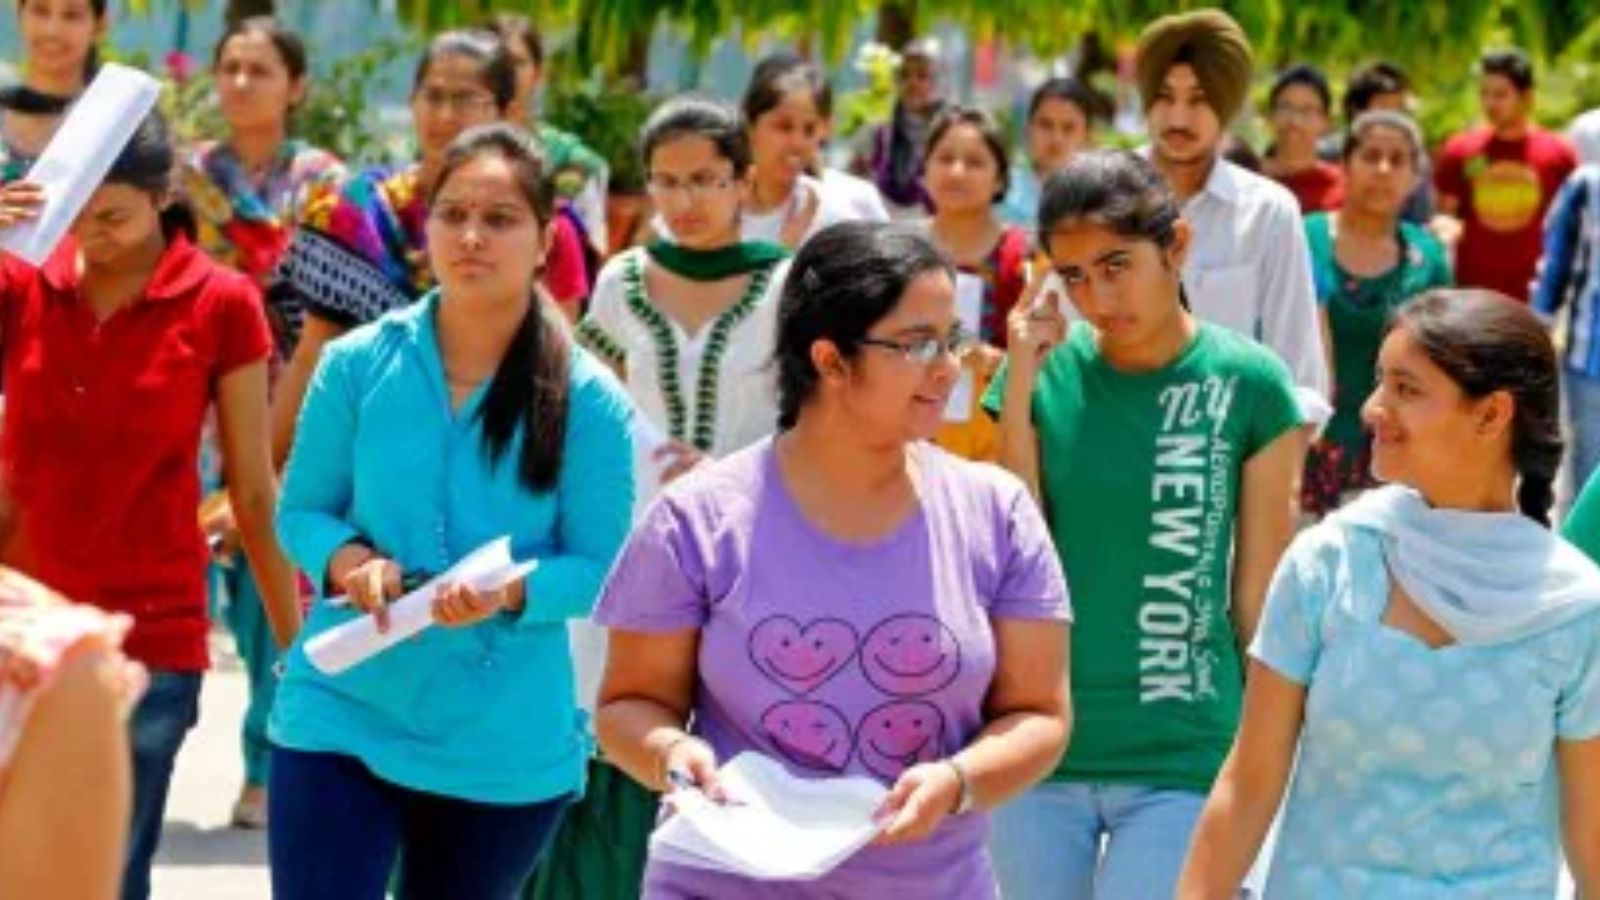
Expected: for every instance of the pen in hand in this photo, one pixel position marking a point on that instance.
(681, 781)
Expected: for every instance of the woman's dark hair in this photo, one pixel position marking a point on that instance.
(993, 138)
(1384, 118)
(1485, 343)
(28, 101)
(1114, 189)
(1238, 151)
(846, 278)
(1369, 81)
(775, 78)
(291, 49)
(529, 389)
(487, 49)
(692, 116)
(1512, 65)
(1306, 76)
(514, 27)
(146, 161)
(1072, 91)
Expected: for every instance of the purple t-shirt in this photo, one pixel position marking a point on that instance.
(835, 657)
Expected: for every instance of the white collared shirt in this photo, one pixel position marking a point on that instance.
(1249, 268)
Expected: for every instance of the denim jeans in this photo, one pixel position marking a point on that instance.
(1583, 412)
(169, 708)
(1069, 841)
(334, 831)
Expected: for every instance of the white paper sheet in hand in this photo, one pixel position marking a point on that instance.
(78, 156)
(969, 312)
(487, 568)
(780, 828)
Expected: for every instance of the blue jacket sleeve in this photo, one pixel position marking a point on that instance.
(1561, 234)
(594, 494)
(314, 506)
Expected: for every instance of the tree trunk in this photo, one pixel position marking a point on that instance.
(897, 23)
(239, 10)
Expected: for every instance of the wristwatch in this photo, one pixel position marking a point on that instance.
(968, 799)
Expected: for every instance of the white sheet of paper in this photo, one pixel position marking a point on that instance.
(781, 827)
(488, 568)
(78, 156)
(969, 311)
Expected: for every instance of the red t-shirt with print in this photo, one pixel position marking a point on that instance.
(100, 450)
(1504, 188)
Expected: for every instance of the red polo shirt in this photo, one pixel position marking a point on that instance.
(100, 447)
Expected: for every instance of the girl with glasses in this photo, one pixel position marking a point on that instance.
(687, 323)
(846, 598)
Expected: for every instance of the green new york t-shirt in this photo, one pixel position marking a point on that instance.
(1141, 475)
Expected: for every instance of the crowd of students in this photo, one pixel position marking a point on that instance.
(1114, 508)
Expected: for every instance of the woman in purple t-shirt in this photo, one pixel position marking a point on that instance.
(846, 598)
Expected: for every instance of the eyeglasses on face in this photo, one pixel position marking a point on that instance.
(459, 102)
(923, 351)
(697, 187)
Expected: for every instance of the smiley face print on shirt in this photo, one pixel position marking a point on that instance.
(903, 661)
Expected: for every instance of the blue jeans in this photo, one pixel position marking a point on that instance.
(156, 731)
(1068, 841)
(1583, 411)
(334, 831)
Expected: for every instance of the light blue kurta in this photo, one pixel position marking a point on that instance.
(487, 712)
(1423, 773)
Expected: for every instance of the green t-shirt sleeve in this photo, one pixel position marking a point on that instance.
(1582, 526)
(994, 399)
(1274, 409)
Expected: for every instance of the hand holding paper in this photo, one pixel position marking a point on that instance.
(1036, 324)
(20, 201)
(775, 826)
(79, 155)
(489, 568)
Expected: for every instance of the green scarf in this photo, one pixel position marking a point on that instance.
(714, 265)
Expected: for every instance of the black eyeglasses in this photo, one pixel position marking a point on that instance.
(924, 351)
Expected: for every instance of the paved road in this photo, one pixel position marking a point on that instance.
(201, 858)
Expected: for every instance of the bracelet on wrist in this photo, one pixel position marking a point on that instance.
(966, 799)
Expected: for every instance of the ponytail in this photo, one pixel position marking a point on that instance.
(1536, 494)
(529, 390)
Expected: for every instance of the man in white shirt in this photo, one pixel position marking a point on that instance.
(1249, 266)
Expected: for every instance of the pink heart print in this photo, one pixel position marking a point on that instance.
(896, 736)
(801, 659)
(813, 735)
(910, 655)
